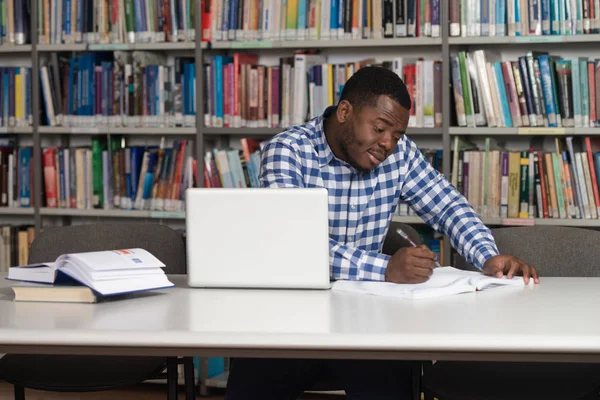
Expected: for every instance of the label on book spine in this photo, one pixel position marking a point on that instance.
(518, 221)
(259, 44)
(84, 130)
(167, 215)
(108, 47)
(541, 131)
(539, 39)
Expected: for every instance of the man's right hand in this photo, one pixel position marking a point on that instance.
(410, 265)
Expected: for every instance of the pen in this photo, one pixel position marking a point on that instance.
(413, 244)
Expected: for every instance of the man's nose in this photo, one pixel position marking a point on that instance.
(386, 142)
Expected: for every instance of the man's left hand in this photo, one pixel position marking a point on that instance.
(510, 266)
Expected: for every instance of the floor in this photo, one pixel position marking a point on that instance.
(139, 392)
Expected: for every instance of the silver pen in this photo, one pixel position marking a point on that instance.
(413, 244)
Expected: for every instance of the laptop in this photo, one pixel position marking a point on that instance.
(257, 238)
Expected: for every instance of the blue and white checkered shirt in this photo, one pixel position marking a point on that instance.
(361, 206)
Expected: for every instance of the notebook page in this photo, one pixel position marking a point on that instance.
(444, 281)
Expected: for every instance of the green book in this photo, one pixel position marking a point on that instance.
(524, 186)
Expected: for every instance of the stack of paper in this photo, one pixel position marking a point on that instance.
(443, 282)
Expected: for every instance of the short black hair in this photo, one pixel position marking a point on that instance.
(368, 83)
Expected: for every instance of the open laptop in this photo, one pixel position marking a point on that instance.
(258, 238)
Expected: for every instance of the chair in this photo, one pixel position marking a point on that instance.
(392, 242)
(68, 373)
(553, 251)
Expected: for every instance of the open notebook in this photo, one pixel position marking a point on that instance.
(109, 272)
(444, 281)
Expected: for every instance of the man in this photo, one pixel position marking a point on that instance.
(359, 152)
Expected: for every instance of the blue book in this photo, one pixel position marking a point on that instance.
(502, 89)
(547, 90)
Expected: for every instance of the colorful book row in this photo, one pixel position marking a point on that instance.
(115, 21)
(132, 89)
(533, 183)
(241, 92)
(537, 90)
(274, 20)
(523, 17)
(108, 176)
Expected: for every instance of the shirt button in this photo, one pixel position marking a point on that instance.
(353, 206)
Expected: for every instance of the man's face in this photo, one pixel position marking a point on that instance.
(371, 134)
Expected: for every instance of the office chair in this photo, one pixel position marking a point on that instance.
(69, 373)
(553, 251)
(391, 244)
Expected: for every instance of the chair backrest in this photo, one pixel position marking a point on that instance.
(162, 241)
(552, 250)
(393, 241)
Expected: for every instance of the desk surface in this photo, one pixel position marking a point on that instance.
(556, 320)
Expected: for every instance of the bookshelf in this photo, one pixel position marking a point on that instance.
(205, 137)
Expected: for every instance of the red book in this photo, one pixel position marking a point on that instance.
(206, 21)
(588, 147)
(50, 178)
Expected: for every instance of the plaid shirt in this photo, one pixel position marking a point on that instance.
(361, 206)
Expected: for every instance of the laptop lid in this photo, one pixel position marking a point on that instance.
(258, 238)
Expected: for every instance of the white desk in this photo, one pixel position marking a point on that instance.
(557, 320)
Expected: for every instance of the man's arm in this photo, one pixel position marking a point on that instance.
(443, 208)
(280, 168)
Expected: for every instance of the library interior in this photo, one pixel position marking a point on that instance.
(380, 199)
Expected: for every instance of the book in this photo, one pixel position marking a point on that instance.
(29, 291)
(444, 281)
(108, 273)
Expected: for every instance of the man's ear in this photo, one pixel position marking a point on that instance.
(344, 111)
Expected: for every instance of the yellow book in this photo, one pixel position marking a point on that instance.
(292, 17)
(514, 175)
(330, 85)
(19, 90)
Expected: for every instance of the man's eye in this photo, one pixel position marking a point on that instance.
(376, 129)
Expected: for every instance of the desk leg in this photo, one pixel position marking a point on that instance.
(19, 392)
(172, 378)
(203, 376)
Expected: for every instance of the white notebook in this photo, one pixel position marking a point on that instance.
(444, 281)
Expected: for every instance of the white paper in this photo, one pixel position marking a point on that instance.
(444, 281)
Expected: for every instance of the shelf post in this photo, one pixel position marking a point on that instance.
(444, 18)
(35, 110)
(199, 95)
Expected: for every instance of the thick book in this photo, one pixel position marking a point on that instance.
(444, 281)
(108, 272)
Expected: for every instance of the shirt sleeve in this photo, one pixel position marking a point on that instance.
(280, 168)
(443, 208)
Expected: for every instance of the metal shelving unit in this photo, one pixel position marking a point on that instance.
(323, 44)
(114, 213)
(523, 40)
(22, 48)
(494, 222)
(121, 130)
(485, 131)
(201, 134)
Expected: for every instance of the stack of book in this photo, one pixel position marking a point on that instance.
(89, 277)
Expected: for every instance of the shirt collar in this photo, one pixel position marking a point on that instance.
(323, 150)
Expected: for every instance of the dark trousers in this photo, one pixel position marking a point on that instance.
(283, 379)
